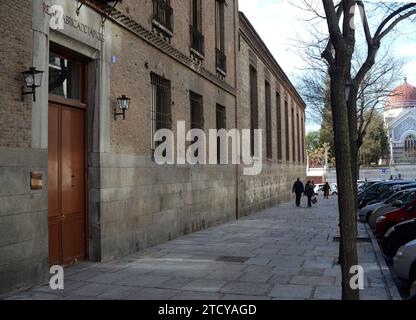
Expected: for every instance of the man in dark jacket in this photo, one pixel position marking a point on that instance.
(298, 189)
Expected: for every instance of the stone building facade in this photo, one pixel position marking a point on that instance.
(281, 115)
(80, 183)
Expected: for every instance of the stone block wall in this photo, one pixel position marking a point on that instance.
(23, 218)
(144, 204)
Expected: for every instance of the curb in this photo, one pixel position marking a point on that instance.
(385, 270)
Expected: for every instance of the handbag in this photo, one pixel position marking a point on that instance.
(314, 200)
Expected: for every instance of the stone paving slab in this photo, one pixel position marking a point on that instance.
(280, 253)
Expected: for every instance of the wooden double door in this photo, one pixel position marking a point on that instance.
(66, 170)
(66, 167)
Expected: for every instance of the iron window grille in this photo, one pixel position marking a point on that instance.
(197, 113)
(221, 123)
(293, 136)
(299, 137)
(287, 132)
(221, 60)
(161, 113)
(196, 36)
(254, 122)
(163, 14)
(302, 121)
(269, 148)
(197, 40)
(279, 126)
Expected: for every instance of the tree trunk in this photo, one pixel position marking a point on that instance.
(353, 128)
(346, 197)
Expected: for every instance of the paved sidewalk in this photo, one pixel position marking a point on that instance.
(280, 253)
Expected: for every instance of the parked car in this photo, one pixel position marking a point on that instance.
(413, 292)
(334, 189)
(405, 262)
(365, 213)
(374, 191)
(319, 189)
(368, 185)
(385, 222)
(390, 191)
(360, 184)
(398, 236)
(404, 200)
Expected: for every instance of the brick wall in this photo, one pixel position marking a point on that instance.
(16, 44)
(143, 14)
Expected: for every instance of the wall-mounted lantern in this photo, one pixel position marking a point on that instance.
(123, 104)
(33, 80)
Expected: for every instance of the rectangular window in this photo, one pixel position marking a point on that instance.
(253, 107)
(197, 38)
(163, 14)
(299, 135)
(279, 126)
(269, 148)
(64, 77)
(161, 112)
(293, 135)
(287, 138)
(303, 139)
(221, 123)
(221, 59)
(197, 111)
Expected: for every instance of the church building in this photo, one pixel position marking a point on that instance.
(400, 119)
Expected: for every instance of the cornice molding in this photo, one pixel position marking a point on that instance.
(135, 28)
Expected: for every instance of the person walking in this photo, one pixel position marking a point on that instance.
(327, 188)
(307, 185)
(298, 189)
(309, 192)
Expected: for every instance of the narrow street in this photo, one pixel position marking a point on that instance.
(280, 253)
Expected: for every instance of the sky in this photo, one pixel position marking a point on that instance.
(280, 23)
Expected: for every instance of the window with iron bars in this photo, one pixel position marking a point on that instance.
(163, 14)
(269, 148)
(293, 135)
(299, 135)
(302, 121)
(287, 131)
(197, 38)
(254, 116)
(197, 114)
(161, 113)
(221, 121)
(221, 59)
(279, 126)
